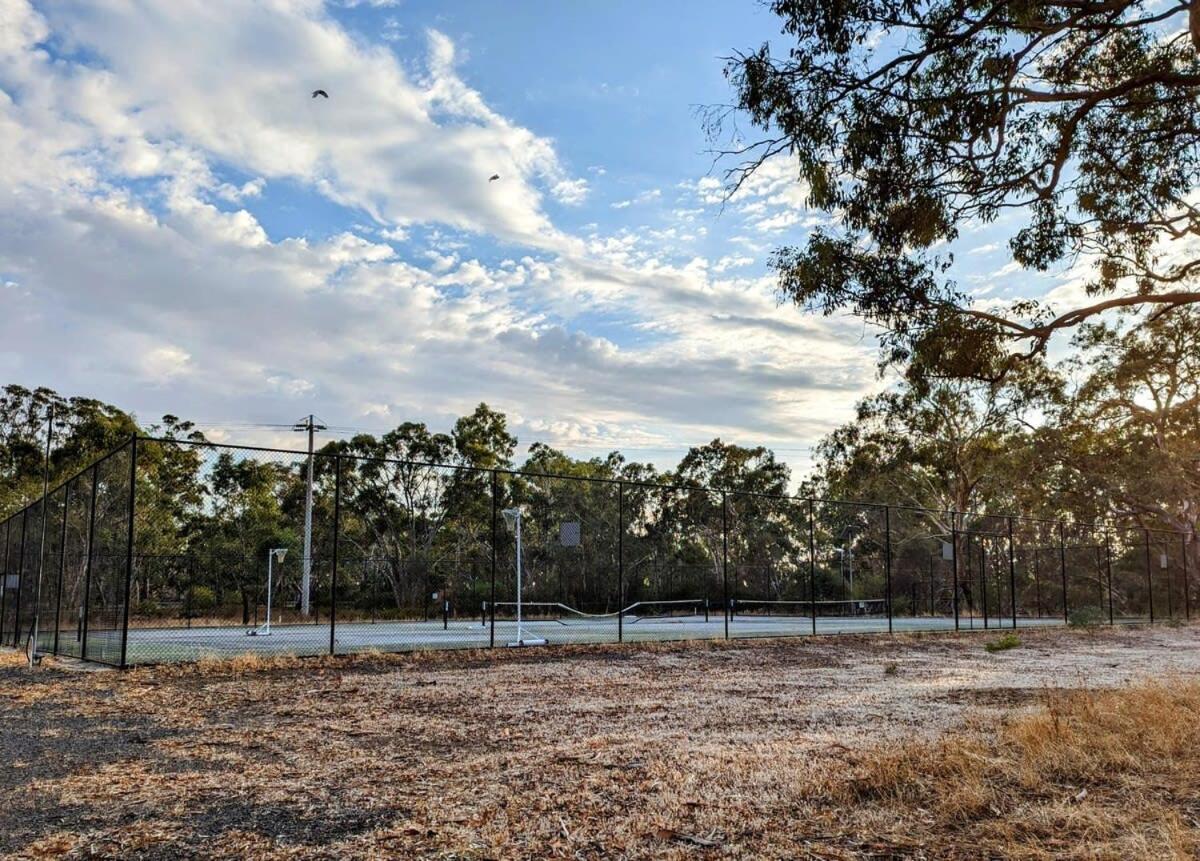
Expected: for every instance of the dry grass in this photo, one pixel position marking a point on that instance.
(808, 749)
(1088, 774)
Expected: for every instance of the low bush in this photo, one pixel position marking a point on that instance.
(1003, 643)
(1089, 618)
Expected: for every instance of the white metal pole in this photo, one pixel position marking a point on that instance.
(270, 566)
(520, 636)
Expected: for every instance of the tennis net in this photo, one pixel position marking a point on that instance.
(868, 607)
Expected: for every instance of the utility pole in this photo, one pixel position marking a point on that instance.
(308, 425)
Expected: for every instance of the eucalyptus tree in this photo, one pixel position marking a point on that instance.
(1129, 436)
(1074, 121)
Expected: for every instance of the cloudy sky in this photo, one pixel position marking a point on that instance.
(185, 229)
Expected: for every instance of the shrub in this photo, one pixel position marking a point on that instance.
(1003, 643)
(200, 598)
(1088, 618)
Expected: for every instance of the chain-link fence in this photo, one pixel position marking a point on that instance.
(169, 550)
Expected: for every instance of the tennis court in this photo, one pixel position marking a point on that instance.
(554, 623)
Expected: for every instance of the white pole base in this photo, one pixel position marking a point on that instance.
(530, 642)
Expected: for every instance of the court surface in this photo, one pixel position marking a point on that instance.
(153, 645)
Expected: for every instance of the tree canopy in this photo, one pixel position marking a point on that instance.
(909, 121)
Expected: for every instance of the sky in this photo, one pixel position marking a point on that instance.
(185, 229)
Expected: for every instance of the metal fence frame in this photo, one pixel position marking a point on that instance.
(16, 629)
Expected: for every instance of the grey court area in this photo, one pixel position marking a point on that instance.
(154, 645)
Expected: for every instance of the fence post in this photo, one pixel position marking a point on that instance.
(887, 559)
(16, 632)
(35, 628)
(812, 562)
(725, 558)
(1149, 576)
(954, 561)
(1187, 599)
(129, 536)
(983, 578)
(62, 564)
(492, 602)
(620, 561)
(1037, 579)
(4, 576)
(87, 569)
(1108, 569)
(1012, 572)
(1170, 591)
(931, 610)
(1062, 565)
(337, 534)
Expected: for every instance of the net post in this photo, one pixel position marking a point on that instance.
(1012, 572)
(129, 538)
(620, 561)
(1149, 575)
(337, 534)
(87, 571)
(1062, 568)
(1108, 569)
(887, 559)
(954, 561)
(725, 558)
(492, 602)
(62, 565)
(812, 563)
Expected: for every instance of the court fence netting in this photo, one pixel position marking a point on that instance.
(172, 550)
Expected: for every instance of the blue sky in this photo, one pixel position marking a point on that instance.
(188, 231)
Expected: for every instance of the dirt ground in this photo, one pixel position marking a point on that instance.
(676, 750)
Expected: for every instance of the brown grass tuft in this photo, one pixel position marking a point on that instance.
(1102, 771)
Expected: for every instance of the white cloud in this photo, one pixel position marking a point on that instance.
(162, 363)
(403, 148)
(229, 320)
(291, 387)
(643, 197)
(572, 192)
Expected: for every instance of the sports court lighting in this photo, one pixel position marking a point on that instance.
(512, 519)
(272, 555)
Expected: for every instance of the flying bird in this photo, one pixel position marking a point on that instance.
(320, 93)
(493, 177)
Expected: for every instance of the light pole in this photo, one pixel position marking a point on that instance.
(272, 555)
(512, 519)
